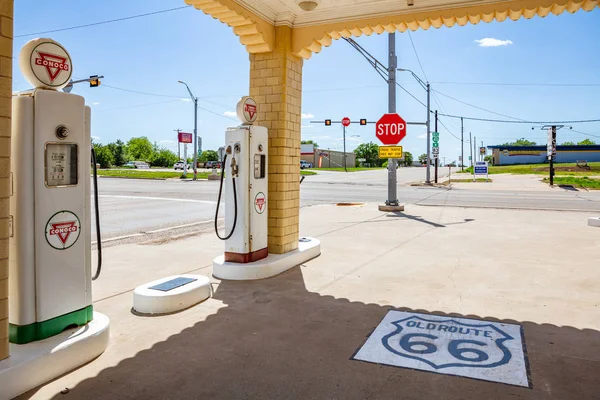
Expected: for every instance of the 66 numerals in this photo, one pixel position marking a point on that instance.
(455, 348)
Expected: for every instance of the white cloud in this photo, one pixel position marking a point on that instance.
(95, 103)
(307, 126)
(184, 99)
(307, 116)
(422, 136)
(96, 138)
(230, 114)
(491, 42)
(167, 141)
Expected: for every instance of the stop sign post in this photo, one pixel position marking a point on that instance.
(390, 129)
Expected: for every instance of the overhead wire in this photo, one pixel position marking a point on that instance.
(518, 84)
(101, 22)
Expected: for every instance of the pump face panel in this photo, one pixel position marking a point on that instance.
(50, 263)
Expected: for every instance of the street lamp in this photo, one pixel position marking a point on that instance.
(427, 87)
(195, 100)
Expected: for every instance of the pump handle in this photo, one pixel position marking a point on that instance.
(235, 207)
(98, 236)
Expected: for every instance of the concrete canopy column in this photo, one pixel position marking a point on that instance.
(276, 85)
(6, 44)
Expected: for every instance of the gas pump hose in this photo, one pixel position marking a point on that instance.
(98, 237)
(235, 207)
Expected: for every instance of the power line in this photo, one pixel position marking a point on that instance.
(477, 107)
(416, 54)
(581, 121)
(102, 22)
(517, 84)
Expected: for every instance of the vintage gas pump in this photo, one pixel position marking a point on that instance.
(50, 244)
(244, 173)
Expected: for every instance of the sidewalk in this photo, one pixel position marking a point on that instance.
(293, 336)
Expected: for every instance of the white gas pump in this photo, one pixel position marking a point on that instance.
(50, 245)
(244, 171)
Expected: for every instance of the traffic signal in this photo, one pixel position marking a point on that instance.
(363, 121)
(327, 122)
(94, 81)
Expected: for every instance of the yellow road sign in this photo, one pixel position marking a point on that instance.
(390, 152)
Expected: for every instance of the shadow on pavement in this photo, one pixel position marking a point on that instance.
(420, 219)
(276, 340)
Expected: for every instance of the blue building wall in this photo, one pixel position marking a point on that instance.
(537, 154)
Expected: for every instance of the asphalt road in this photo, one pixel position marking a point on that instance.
(131, 206)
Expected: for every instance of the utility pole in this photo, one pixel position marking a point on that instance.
(178, 144)
(392, 65)
(436, 129)
(428, 175)
(474, 151)
(471, 148)
(462, 144)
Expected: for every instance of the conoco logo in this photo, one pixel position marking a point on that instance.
(63, 230)
(54, 64)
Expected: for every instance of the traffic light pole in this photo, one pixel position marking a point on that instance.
(392, 199)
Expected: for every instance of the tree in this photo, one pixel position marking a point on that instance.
(315, 145)
(209, 155)
(519, 142)
(140, 148)
(104, 156)
(370, 152)
(119, 152)
(586, 142)
(423, 159)
(489, 158)
(408, 158)
(568, 144)
(163, 158)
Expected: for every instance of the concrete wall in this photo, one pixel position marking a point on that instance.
(332, 159)
(6, 43)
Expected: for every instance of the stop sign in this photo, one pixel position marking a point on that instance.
(390, 129)
(346, 121)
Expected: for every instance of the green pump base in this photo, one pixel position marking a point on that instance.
(33, 364)
(21, 334)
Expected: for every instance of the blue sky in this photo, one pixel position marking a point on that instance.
(151, 54)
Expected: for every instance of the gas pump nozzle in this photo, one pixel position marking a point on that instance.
(234, 168)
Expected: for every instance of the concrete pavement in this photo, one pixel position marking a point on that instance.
(131, 206)
(293, 336)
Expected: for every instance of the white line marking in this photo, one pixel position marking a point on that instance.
(119, 238)
(158, 198)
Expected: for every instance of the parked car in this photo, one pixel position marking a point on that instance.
(305, 164)
(137, 164)
(212, 164)
(180, 165)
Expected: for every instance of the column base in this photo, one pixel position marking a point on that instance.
(272, 265)
(386, 208)
(36, 363)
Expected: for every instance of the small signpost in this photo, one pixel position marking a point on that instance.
(480, 168)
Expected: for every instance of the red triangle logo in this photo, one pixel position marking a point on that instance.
(54, 64)
(63, 230)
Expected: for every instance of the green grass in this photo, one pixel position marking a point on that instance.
(342, 169)
(146, 174)
(584, 182)
(149, 174)
(566, 169)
